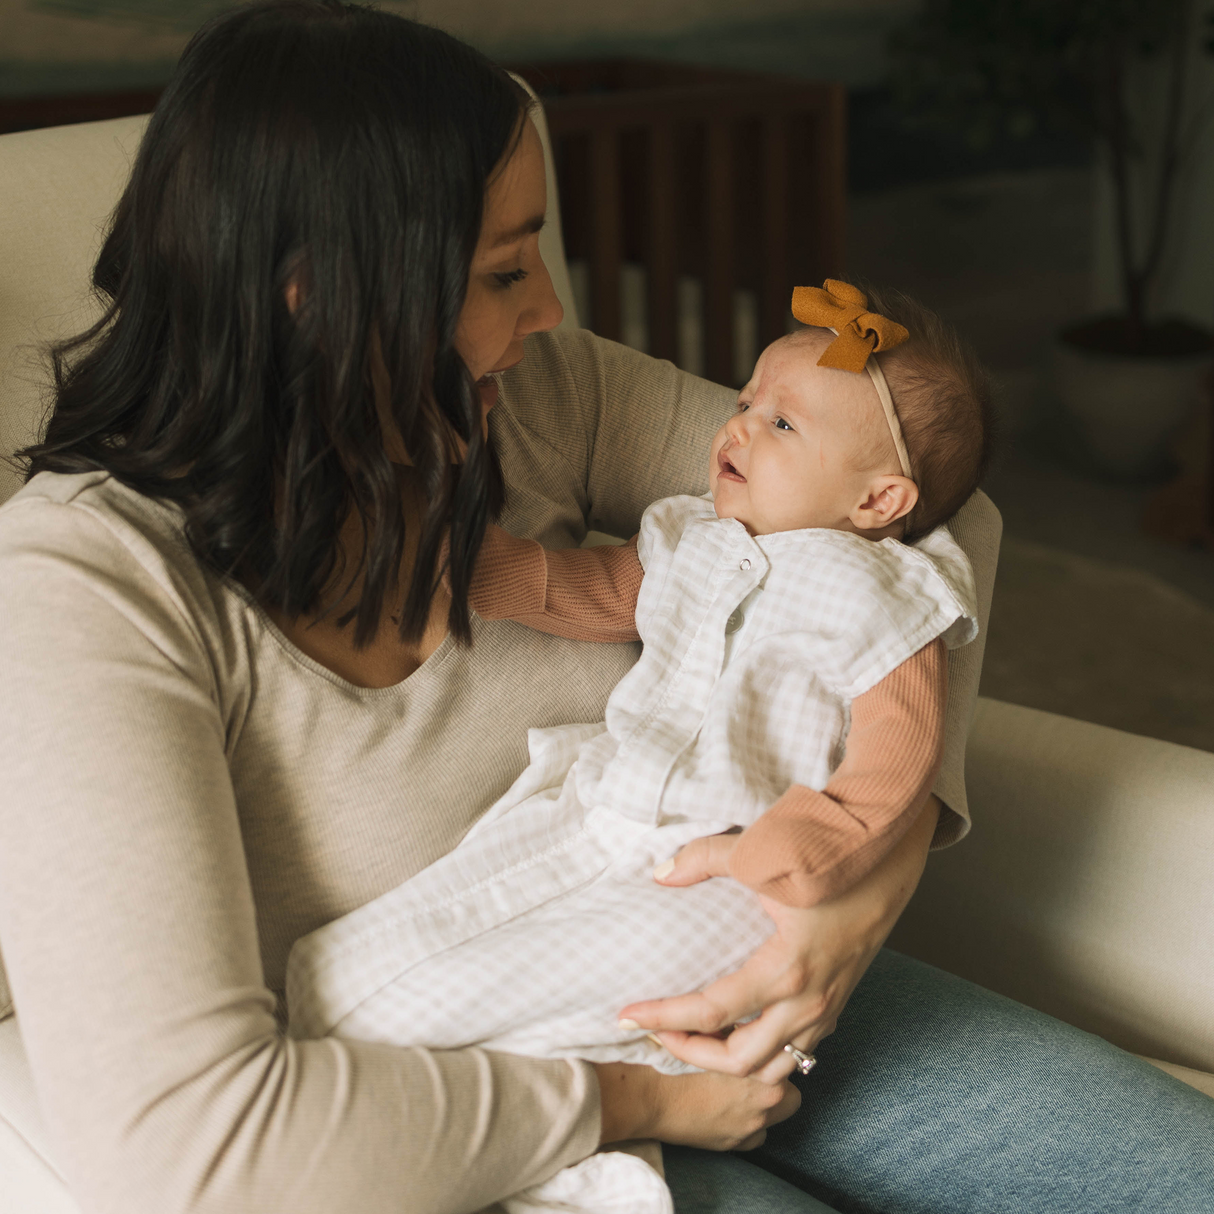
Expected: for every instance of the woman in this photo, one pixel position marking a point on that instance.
(240, 702)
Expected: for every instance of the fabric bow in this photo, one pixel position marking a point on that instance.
(844, 308)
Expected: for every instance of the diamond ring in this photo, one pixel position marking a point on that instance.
(805, 1062)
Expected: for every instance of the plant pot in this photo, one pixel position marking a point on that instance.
(1126, 406)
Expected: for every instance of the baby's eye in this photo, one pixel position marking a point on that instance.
(743, 405)
(781, 424)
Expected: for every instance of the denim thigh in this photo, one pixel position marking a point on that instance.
(708, 1182)
(935, 1096)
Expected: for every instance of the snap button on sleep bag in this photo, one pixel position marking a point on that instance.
(735, 621)
(744, 564)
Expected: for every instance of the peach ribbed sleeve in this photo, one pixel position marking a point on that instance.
(810, 846)
(584, 594)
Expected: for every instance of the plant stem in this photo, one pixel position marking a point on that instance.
(1119, 155)
(1170, 156)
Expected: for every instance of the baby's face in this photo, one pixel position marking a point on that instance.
(803, 446)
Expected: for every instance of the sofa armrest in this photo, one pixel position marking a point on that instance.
(1084, 888)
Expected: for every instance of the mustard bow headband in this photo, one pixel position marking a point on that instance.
(843, 309)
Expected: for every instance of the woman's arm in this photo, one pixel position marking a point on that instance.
(131, 937)
(802, 977)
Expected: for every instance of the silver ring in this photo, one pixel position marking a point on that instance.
(805, 1062)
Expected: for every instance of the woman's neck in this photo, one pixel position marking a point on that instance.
(385, 660)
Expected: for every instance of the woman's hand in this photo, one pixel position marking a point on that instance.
(798, 982)
(711, 1111)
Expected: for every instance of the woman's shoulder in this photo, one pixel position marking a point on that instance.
(602, 429)
(559, 359)
(114, 553)
(95, 493)
(69, 515)
(558, 391)
(574, 369)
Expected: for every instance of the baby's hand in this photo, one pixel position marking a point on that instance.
(699, 860)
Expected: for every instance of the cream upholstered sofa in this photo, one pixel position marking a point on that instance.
(1085, 888)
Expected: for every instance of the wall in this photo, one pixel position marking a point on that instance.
(56, 46)
(835, 39)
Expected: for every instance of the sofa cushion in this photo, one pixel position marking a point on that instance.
(59, 188)
(1084, 887)
(1201, 1080)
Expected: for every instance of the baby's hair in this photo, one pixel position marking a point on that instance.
(942, 394)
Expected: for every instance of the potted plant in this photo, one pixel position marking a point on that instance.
(1009, 67)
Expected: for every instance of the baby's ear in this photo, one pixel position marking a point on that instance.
(887, 499)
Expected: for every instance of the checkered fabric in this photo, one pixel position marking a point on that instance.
(545, 921)
(610, 1182)
(690, 735)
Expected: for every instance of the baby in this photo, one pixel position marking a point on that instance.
(792, 683)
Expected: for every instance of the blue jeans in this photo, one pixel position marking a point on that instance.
(935, 1096)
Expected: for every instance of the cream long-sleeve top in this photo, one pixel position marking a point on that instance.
(185, 793)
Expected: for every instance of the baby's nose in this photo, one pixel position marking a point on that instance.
(736, 428)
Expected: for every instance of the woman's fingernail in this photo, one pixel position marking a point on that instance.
(629, 1026)
(663, 870)
(656, 1040)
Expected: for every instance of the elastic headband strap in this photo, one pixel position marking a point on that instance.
(891, 414)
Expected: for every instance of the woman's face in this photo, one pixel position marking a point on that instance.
(509, 291)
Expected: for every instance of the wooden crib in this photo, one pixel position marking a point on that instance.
(730, 180)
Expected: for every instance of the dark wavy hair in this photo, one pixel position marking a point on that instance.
(348, 151)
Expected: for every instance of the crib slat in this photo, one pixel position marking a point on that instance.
(663, 243)
(776, 289)
(718, 309)
(830, 178)
(605, 231)
(796, 175)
